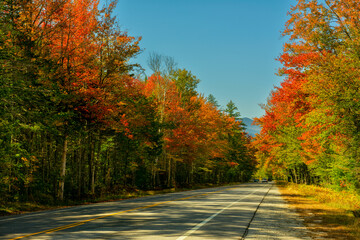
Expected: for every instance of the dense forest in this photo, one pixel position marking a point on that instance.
(77, 121)
(311, 129)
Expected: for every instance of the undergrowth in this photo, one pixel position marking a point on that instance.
(342, 200)
(347, 204)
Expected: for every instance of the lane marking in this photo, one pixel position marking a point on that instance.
(113, 214)
(199, 225)
(257, 208)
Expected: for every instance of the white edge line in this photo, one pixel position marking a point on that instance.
(194, 229)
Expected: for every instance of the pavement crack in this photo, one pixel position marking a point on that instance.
(252, 218)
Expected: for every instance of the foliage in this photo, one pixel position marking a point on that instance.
(75, 123)
(310, 131)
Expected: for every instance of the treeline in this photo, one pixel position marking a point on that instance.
(311, 129)
(75, 122)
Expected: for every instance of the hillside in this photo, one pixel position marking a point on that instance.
(251, 129)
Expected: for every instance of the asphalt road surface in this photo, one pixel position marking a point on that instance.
(213, 213)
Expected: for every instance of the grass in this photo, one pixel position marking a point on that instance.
(12, 208)
(326, 213)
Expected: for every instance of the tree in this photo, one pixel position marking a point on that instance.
(186, 84)
(67, 76)
(211, 99)
(231, 110)
(313, 113)
(75, 123)
(238, 154)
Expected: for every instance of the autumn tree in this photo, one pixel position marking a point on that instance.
(320, 61)
(76, 124)
(71, 78)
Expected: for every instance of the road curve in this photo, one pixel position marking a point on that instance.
(213, 213)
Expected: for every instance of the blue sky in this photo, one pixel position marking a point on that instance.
(230, 45)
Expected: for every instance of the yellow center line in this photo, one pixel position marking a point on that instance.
(113, 214)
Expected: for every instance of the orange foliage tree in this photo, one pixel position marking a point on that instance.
(195, 133)
(75, 123)
(311, 118)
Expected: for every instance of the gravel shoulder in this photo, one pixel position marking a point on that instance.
(276, 220)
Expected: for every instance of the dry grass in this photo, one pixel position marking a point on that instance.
(327, 214)
(13, 208)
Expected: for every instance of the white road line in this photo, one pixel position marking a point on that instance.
(194, 229)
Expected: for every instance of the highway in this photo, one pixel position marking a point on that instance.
(212, 213)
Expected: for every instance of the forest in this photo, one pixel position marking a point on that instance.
(311, 128)
(77, 121)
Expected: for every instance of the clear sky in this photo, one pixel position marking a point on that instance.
(230, 45)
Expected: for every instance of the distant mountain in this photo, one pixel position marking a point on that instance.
(251, 129)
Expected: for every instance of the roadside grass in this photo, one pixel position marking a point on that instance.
(11, 208)
(326, 213)
(17, 207)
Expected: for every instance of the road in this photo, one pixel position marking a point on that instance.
(213, 213)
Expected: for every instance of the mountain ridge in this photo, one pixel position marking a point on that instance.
(249, 128)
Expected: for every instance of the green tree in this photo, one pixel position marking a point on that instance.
(238, 152)
(211, 99)
(186, 84)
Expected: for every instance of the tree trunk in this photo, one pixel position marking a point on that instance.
(63, 170)
(295, 176)
(79, 169)
(93, 180)
(173, 172)
(154, 171)
(169, 174)
(91, 162)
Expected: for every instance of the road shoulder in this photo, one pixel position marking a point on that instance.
(276, 220)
